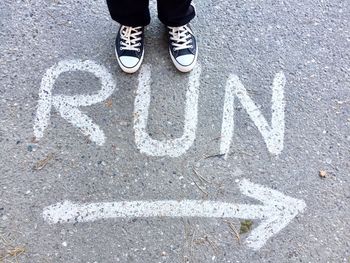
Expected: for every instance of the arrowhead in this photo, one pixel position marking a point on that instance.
(279, 211)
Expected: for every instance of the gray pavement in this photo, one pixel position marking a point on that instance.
(308, 41)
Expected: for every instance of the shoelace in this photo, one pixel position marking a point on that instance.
(130, 38)
(181, 37)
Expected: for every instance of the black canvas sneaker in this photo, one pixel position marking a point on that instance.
(183, 47)
(129, 48)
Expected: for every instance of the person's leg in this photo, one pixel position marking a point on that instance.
(175, 13)
(133, 16)
(130, 12)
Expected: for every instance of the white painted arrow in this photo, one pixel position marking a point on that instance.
(276, 211)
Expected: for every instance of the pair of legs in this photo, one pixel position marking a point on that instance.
(134, 15)
(172, 13)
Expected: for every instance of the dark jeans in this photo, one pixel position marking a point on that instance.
(136, 12)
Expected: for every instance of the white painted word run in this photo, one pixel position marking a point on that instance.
(68, 107)
(276, 212)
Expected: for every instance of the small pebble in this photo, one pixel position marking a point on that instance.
(323, 174)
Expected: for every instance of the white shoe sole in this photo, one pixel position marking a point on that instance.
(183, 68)
(133, 69)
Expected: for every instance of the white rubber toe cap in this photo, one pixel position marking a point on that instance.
(129, 62)
(186, 60)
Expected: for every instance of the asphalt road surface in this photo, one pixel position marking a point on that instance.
(246, 159)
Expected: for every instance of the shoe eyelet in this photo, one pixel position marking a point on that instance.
(138, 50)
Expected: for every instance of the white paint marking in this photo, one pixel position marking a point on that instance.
(273, 135)
(228, 123)
(276, 211)
(172, 148)
(67, 106)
